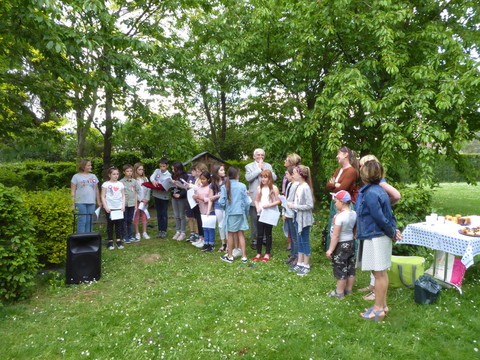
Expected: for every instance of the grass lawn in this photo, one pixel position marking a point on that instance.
(163, 299)
(457, 198)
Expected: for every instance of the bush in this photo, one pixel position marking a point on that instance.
(18, 258)
(51, 212)
(10, 177)
(413, 206)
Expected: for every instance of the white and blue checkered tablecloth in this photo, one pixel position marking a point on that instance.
(443, 237)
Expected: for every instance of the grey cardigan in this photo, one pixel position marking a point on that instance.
(304, 208)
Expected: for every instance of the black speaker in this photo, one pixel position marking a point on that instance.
(84, 257)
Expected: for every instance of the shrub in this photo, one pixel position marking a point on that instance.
(18, 261)
(413, 206)
(51, 212)
(10, 177)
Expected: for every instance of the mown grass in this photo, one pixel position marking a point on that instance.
(456, 198)
(163, 299)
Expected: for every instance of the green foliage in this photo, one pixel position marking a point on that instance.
(18, 262)
(414, 205)
(51, 212)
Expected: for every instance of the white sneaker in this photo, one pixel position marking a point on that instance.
(200, 244)
(181, 237)
(145, 236)
(175, 237)
(137, 236)
(236, 252)
(195, 243)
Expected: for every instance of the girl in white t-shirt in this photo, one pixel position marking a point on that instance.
(113, 199)
(342, 245)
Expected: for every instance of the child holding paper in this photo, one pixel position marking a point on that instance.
(202, 196)
(266, 197)
(131, 191)
(142, 201)
(113, 199)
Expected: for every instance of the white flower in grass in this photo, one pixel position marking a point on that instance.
(475, 349)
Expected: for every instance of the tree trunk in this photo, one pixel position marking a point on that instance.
(107, 135)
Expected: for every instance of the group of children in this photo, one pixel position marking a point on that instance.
(125, 202)
(220, 198)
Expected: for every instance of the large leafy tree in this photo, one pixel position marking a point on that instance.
(397, 79)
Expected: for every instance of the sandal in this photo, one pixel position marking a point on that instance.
(266, 257)
(370, 296)
(334, 293)
(223, 248)
(257, 257)
(348, 292)
(377, 315)
(367, 288)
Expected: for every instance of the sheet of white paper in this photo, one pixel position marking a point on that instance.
(166, 183)
(209, 221)
(283, 199)
(191, 200)
(97, 212)
(270, 216)
(180, 184)
(116, 214)
(142, 206)
(147, 214)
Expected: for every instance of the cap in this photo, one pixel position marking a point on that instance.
(343, 196)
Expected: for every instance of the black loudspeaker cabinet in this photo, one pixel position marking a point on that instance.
(84, 257)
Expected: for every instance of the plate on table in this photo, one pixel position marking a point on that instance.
(473, 232)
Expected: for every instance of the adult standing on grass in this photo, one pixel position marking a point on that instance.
(85, 193)
(344, 178)
(376, 227)
(394, 196)
(252, 174)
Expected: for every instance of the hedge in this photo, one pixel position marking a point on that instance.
(18, 256)
(40, 175)
(52, 214)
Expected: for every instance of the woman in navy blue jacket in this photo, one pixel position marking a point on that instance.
(376, 228)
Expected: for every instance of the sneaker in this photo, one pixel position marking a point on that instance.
(205, 247)
(159, 235)
(181, 237)
(110, 245)
(236, 252)
(295, 268)
(119, 244)
(303, 271)
(244, 260)
(210, 248)
(127, 241)
(175, 237)
(134, 239)
(226, 258)
(200, 244)
(145, 236)
(163, 234)
(192, 237)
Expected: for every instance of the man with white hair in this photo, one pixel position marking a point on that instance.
(252, 174)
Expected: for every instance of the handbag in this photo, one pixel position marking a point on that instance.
(405, 270)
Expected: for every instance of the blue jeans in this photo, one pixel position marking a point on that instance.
(127, 223)
(162, 213)
(209, 236)
(85, 221)
(303, 238)
(292, 231)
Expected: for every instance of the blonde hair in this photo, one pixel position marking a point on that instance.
(372, 172)
(368, 157)
(304, 172)
(201, 167)
(293, 159)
